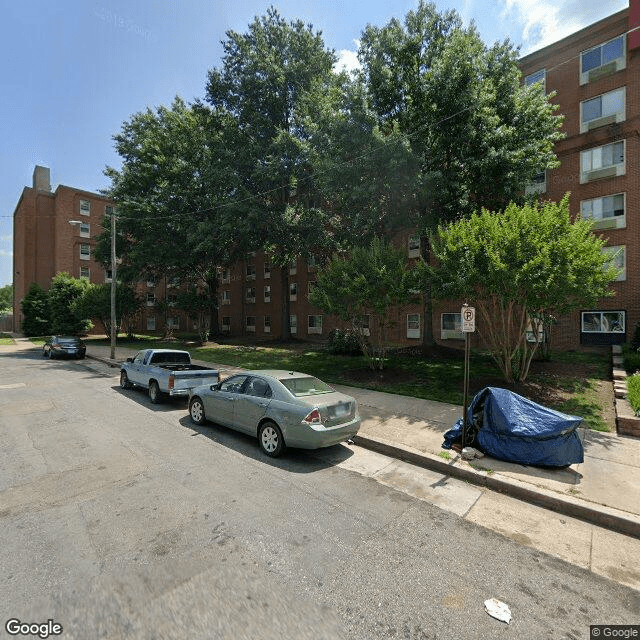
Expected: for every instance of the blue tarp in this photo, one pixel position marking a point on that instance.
(509, 427)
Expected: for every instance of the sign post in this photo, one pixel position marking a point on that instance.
(468, 315)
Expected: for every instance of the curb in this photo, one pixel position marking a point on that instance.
(109, 361)
(600, 515)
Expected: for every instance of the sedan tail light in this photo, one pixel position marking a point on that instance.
(313, 417)
(172, 382)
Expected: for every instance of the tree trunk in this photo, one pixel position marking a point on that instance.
(212, 288)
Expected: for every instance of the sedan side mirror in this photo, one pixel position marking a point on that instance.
(215, 387)
(129, 359)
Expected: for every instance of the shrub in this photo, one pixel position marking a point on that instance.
(631, 358)
(633, 391)
(635, 342)
(35, 308)
(344, 343)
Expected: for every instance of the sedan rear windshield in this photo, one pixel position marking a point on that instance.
(307, 386)
(68, 341)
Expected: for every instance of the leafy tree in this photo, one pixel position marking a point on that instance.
(370, 280)
(264, 84)
(518, 268)
(6, 299)
(95, 303)
(196, 305)
(35, 309)
(64, 291)
(173, 193)
(479, 135)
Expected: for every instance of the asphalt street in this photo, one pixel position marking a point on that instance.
(122, 519)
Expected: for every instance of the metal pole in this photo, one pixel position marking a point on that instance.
(113, 284)
(465, 389)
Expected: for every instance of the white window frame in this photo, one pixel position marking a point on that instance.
(414, 325)
(85, 251)
(316, 320)
(603, 69)
(151, 281)
(448, 333)
(594, 156)
(107, 275)
(293, 267)
(607, 114)
(172, 299)
(537, 184)
(605, 322)
(226, 323)
(250, 295)
(293, 323)
(413, 246)
(173, 322)
(538, 76)
(151, 299)
(267, 293)
(85, 207)
(293, 291)
(88, 272)
(601, 221)
(363, 324)
(85, 230)
(226, 296)
(225, 276)
(267, 324)
(151, 323)
(250, 271)
(267, 270)
(620, 260)
(250, 326)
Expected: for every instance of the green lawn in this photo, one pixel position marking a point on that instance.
(433, 378)
(6, 339)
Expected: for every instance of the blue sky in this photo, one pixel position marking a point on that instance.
(73, 70)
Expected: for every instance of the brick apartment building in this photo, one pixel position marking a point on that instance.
(596, 76)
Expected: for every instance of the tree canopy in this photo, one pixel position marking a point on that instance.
(518, 267)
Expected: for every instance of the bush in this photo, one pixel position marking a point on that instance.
(35, 308)
(635, 342)
(633, 391)
(345, 343)
(631, 358)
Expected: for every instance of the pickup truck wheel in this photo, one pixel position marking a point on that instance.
(155, 395)
(124, 380)
(270, 439)
(196, 410)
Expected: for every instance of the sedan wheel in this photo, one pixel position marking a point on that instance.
(124, 380)
(154, 393)
(270, 439)
(196, 411)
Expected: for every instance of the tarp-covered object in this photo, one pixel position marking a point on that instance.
(509, 427)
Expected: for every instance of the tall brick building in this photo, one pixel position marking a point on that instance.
(595, 74)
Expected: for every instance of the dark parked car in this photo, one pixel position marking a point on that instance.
(64, 347)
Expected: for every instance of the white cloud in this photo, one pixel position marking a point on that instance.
(8, 254)
(544, 22)
(348, 60)
(6, 238)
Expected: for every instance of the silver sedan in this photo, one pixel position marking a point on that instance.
(280, 408)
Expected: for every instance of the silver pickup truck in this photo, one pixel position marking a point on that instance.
(165, 372)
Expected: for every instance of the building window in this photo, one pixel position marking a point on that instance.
(451, 326)
(414, 246)
(602, 60)
(226, 296)
(293, 324)
(312, 263)
(603, 322)
(363, 325)
(310, 285)
(267, 270)
(226, 323)
(226, 276)
(85, 230)
(293, 267)
(267, 293)
(173, 322)
(172, 299)
(602, 110)
(293, 291)
(173, 281)
(413, 325)
(85, 207)
(539, 76)
(250, 324)
(151, 299)
(107, 275)
(602, 162)
(251, 271)
(85, 272)
(85, 252)
(538, 184)
(151, 323)
(267, 324)
(251, 294)
(618, 260)
(314, 324)
(607, 212)
(151, 281)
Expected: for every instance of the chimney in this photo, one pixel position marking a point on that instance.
(42, 179)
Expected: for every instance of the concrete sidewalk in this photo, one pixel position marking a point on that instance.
(604, 489)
